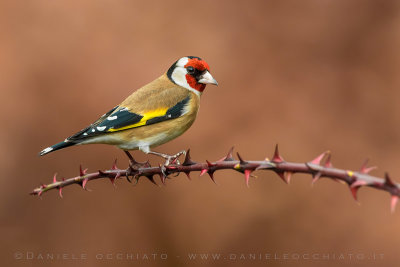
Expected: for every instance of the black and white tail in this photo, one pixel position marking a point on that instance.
(58, 146)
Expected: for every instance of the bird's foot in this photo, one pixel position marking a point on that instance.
(170, 159)
(174, 159)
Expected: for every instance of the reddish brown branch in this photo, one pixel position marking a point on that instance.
(317, 167)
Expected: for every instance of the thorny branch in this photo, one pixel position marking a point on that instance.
(319, 167)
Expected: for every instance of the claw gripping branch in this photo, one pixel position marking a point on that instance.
(317, 168)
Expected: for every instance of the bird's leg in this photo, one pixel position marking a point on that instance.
(134, 166)
(131, 159)
(169, 158)
(134, 163)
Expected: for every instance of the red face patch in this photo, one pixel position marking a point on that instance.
(199, 65)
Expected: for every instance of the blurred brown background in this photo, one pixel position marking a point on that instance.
(309, 75)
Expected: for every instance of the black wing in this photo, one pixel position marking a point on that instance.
(120, 118)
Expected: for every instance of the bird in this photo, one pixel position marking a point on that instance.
(153, 115)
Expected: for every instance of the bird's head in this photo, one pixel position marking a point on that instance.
(193, 73)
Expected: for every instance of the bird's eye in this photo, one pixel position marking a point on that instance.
(190, 70)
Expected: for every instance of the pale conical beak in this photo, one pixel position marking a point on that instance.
(206, 78)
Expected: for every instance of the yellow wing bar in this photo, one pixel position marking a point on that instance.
(146, 116)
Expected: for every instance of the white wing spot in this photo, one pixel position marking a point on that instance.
(112, 118)
(101, 128)
(93, 130)
(84, 133)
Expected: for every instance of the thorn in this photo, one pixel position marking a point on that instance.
(277, 158)
(316, 177)
(211, 174)
(114, 166)
(281, 175)
(240, 159)
(388, 181)
(229, 156)
(288, 176)
(84, 182)
(358, 183)
(354, 188)
(151, 179)
(364, 169)
(203, 171)
(59, 188)
(112, 179)
(367, 170)
(188, 175)
(136, 178)
(40, 193)
(328, 163)
(353, 191)
(317, 160)
(188, 161)
(247, 176)
(129, 179)
(393, 203)
(210, 164)
(82, 172)
(364, 165)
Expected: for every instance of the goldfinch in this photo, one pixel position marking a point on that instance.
(153, 115)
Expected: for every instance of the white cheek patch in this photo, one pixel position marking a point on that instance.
(101, 128)
(179, 77)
